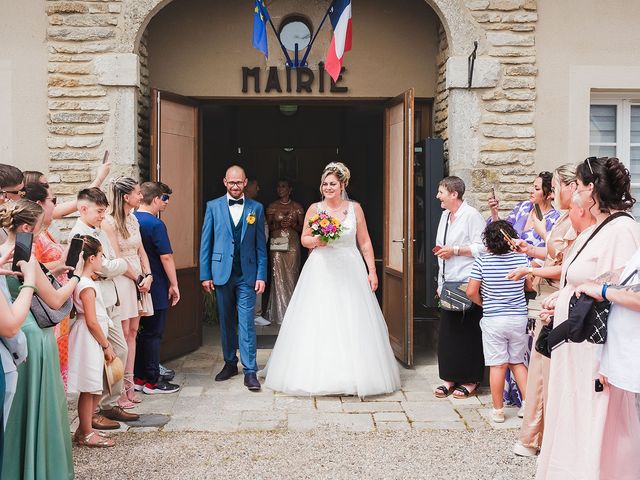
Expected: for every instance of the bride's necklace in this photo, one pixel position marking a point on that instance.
(285, 203)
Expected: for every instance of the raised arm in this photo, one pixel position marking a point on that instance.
(67, 208)
(13, 315)
(56, 298)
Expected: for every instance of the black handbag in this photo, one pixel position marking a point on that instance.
(542, 342)
(453, 296)
(587, 319)
(46, 316)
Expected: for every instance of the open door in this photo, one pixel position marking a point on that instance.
(397, 281)
(175, 161)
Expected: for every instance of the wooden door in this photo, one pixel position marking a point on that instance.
(397, 295)
(175, 161)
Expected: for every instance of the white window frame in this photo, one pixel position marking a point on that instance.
(623, 103)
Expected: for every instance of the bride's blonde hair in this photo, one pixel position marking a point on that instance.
(338, 169)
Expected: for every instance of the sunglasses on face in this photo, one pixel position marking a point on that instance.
(21, 193)
(164, 197)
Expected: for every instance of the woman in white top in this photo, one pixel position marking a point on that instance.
(458, 242)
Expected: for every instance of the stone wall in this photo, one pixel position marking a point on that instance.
(99, 91)
(441, 104)
(507, 142)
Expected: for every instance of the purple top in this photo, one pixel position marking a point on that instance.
(519, 216)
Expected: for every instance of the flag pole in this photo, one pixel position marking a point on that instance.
(306, 54)
(284, 50)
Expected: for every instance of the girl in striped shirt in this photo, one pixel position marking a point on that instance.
(504, 321)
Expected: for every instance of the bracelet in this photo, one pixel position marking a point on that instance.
(530, 271)
(148, 275)
(456, 249)
(32, 287)
(76, 276)
(603, 292)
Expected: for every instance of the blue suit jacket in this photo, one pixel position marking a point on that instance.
(216, 245)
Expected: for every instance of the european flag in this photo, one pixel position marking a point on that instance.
(260, 17)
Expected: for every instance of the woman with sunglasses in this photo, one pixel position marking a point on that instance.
(591, 431)
(52, 255)
(534, 231)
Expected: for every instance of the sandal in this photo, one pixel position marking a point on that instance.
(463, 392)
(129, 397)
(443, 391)
(93, 440)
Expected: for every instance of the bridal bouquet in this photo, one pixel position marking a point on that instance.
(325, 226)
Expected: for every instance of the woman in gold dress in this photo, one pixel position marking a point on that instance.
(285, 218)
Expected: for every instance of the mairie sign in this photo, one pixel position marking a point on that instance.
(301, 79)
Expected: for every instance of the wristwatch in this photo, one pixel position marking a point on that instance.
(456, 249)
(530, 271)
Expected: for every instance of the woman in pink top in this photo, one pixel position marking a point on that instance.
(591, 434)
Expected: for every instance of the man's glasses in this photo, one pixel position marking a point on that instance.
(20, 193)
(235, 184)
(164, 197)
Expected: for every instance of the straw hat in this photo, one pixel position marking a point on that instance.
(114, 372)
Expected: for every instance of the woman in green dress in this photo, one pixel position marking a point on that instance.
(38, 423)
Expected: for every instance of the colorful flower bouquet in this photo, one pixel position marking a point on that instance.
(325, 226)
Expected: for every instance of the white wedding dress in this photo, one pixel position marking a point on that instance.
(333, 339)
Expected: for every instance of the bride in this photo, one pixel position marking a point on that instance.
(333, 339)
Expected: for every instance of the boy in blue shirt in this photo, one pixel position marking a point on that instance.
(164, 289)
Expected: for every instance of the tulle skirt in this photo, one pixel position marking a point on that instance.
(333, 339)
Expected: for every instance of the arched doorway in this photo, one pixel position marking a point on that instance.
(187, 55)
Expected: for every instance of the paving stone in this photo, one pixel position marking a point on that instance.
(261, 415)
(194, 391)
(472, 418)
(417, 385)
(389, 397)
(229, 423)
(355, 422)
(421, 397)
(350, 399)
(372, 407)
(328, 404)
(393, 426)
(511, 419)
(429, 412)
(161, 404)
(390, 417)
(294, 404)
(471, 400)
(263, 425)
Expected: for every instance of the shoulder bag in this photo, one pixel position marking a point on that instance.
(453, 297)
(587, 319)
(46, 316)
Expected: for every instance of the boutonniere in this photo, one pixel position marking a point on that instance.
(251, 218)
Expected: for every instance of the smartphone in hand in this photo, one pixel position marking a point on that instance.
(73, 255)
(436, 249)
(106, 156)
(538, 211)
(22, 251)
(493, 193)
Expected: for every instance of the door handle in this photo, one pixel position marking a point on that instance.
(398, 241)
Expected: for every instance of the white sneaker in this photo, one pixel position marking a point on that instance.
(522, 451)
(261, 321)
(498, 415)
(521, 411)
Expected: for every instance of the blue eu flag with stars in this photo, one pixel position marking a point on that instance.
(260, 17)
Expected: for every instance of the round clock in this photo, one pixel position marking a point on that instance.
(295, 30)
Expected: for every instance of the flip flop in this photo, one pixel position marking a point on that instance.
(464, 392)
(442, 391)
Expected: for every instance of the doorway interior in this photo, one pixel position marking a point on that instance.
(294, 141)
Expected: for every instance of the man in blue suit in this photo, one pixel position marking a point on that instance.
(233, 262)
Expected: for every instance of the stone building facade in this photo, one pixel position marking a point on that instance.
(98, 90)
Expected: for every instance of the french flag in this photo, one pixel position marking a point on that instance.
(340, 16)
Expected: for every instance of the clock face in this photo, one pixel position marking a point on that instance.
(294, 32)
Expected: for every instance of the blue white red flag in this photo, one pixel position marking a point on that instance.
(260, 18)
(340, 16)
